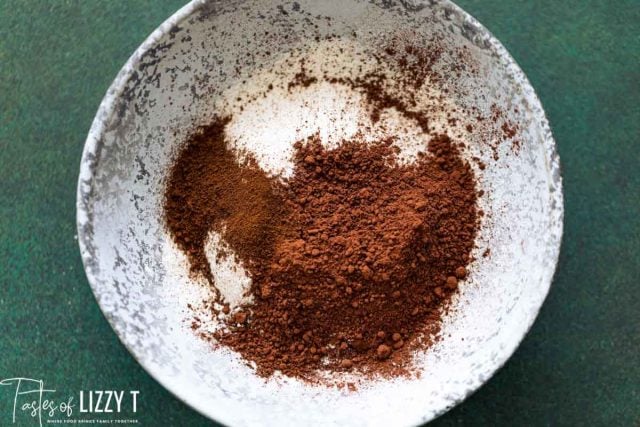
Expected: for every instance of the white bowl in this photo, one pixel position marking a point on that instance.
(177, 79)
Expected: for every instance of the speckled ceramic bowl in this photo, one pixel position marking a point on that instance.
(206, 54)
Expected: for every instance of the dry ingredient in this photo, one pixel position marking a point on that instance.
(352, 260)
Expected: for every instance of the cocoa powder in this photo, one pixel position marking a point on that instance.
(353, 259)
(208, 189)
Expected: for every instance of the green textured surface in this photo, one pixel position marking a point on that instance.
(579, 365)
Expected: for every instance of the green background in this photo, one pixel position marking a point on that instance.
(579, 365)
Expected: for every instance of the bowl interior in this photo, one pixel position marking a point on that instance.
(193, 67)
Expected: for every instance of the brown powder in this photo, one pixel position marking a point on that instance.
(351, 260)
(208, 189)
(354, 259)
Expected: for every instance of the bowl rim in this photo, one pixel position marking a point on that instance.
(91, 157)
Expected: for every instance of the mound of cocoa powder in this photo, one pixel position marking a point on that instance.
(351, 260)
